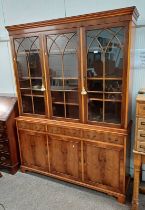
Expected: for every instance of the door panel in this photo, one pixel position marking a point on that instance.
(33, 149)
(103, 165)
(105, 59)
(65, 156)
(64, 72)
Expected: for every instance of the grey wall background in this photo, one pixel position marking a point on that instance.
(19, 11)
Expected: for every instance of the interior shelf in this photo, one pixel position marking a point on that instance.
(67, 103)
(104, 78)
(109, 100)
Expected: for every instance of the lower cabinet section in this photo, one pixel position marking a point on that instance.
(65, 156)
(92, 163)
(103, 164)
(33, 149)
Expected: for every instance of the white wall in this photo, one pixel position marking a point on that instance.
(22, 11)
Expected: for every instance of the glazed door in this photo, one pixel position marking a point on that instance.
(34, 151)
(30, 77)
(105, 74)
(65, 157)
(63, 68)
(104, 166)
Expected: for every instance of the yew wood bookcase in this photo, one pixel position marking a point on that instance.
(73, 79)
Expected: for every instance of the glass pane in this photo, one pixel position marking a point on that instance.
(34, 65)
(39, 105)
(22, 66)
(57, 96)
(95, 85)
(71, 84)
(24, 83)
(55, 65)
(104, 73)
(95, 110)
(72, 111)
(113, 112)
(63, 70)
(27, 104)
(58, 110)
(113, 86)
(71, 97)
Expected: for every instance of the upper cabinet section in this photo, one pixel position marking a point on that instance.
(76, 68)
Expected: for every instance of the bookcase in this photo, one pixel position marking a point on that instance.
(73, 79)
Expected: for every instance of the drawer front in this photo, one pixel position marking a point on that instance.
(4, 159)
(141, 135)
(2, 125)
(141, 123)
(31, 126)
(105, 137)
(141, 146)
(141, 109)
(73, 132)
(4, 147)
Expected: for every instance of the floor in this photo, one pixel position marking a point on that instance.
(29, 191)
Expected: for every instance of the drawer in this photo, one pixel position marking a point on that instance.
(141, 109)
(5, 159)
(104, 137)
(4, 147)
(141, 123)
(141, 146)
(2, 125)
(141, 135)
(3, 135)
(31, 126)
(73, 132)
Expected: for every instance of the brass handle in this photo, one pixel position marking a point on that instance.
(83, 92)
(142, 123)
(142, 135)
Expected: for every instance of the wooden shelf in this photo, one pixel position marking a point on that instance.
(24, 78)
(28, 52)
(106, 100)
(33, 95)
(64, 78)
(93, 91)
(104, 78)
(67, 103)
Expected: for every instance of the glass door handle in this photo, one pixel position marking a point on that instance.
(83, 92)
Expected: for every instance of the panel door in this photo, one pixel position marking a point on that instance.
(64, 73)
(103, 166)
(105, 73)
(65, 157)
(30, 76)
(34, 151)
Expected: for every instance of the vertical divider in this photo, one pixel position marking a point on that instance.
(83, 61)
(45, 63)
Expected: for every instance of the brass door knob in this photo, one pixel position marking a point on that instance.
(83, 92)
